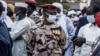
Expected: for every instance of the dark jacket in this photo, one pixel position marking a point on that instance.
(82, 21)
(5, 41)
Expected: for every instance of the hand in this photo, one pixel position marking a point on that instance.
(79, 41)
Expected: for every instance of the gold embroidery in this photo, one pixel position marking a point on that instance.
(57, 32)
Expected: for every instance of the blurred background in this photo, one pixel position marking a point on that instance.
(68, 4)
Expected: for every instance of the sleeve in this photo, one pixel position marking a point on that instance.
(63, 37)
(70, 28)
(1, 49)
(3, 46)
(19, 30)
(77, 51)
(31, 41)
(79, 48)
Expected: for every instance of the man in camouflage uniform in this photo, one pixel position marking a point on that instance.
(46, 39)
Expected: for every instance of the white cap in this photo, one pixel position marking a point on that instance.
(19, 4)
(78, 12)
(71, 12)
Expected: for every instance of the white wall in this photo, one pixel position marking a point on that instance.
(82, 5)
(72, 5)
(76, 5)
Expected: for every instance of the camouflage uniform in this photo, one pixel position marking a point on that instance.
(47, 40)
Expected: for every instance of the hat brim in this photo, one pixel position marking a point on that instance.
(48, 6)
(30, 2)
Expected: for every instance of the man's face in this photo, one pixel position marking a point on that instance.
(58, 10)
(50, 15)
(17, 11)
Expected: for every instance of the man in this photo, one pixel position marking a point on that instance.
(5, 40)
(7, 20)
(67, 26)
(90, 32)
(91, 11)
(31, 11)
(48, 39)
(72, 15)
(19, 29)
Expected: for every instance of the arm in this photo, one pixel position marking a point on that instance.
(63, 37)
(77, 48)
(70, 28)
(19, 30)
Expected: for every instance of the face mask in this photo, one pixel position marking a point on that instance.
(90, 18)
(16, 17)
(51, 18)
(10, 13)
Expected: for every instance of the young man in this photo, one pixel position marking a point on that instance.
(90, 32)
(91, 11)
(19, 29)
(47, 39)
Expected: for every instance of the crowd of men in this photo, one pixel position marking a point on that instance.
(48, 30)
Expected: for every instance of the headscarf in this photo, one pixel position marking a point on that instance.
(4, 13)
(1, 20)
(60, 6)
(12, 8)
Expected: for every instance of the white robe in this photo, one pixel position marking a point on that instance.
(8, 22)
(20, 28)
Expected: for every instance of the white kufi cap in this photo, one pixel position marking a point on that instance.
(24, 5)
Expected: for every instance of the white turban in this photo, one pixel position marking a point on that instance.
(4, 13)
(58, 5)
(71, 12)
